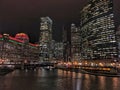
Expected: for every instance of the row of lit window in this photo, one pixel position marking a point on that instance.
(85, 17)
(90, 12)
(107, 48)
(106, 20)
(102, 40)
(106, 52)
(99, 25)
(105, 30)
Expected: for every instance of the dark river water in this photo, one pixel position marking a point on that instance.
(56, 80)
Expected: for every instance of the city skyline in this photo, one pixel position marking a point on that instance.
(60, 45)
(23, 16)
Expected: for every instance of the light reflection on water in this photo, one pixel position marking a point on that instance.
(56, 80)
(102, 82)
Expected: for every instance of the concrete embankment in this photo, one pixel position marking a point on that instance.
(78, 70)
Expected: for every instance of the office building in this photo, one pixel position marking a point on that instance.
(75, 43)
(98, 31)
(58, 51)
(17, 49)
(45, 38)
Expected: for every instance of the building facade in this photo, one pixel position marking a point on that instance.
(66, 46)
(45, 38)
(98, 31)
(17, 50)
(75, 43)
(58, 51)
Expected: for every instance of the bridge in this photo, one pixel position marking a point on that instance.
(28, 65)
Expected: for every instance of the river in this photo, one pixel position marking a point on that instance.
(56, 80)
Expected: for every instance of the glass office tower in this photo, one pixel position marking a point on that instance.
(45, 38)
(98, 31)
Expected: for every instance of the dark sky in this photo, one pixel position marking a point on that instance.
(23, 15)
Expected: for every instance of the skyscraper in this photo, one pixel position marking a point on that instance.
(58, 50)
(66, 45)
(75, 42)
(98, 31)
(45, 38)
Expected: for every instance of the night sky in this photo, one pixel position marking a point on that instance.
(24, 15)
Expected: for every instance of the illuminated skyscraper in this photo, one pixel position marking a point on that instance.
(45, 37)
(58, 50)
(75, 42)
(45, 29)
(98, 31)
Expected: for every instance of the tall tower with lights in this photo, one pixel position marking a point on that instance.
(45, 38)
(75, 42)
(98, 31)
